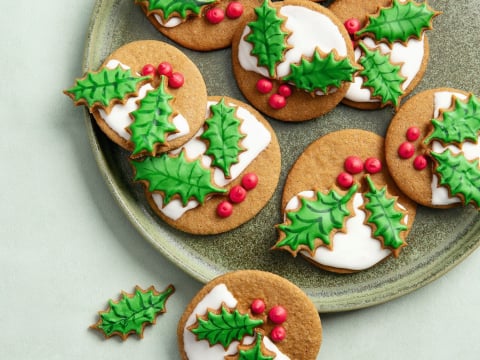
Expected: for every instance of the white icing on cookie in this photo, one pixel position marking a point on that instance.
(410, 56)
(172, 22)
(119, 117)
(257, 138)
(356, 249)
(440, 195)
(310, 30)
(201, 350)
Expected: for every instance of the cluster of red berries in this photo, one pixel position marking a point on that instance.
(277, 315)
(277, 100)
(175, 78)
(216, 15)
(407, 149)
(237, 194)
(354, 165)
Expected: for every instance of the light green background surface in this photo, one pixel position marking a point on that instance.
(66, 247)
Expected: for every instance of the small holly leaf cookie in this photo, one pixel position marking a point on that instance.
(202, 25)
(391, 46)
(432, 148)
(342, 211)
(219, 179)
(132, 312)
(293, 60)
(147, 97)
(249, 315)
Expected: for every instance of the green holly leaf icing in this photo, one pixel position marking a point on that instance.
(315, 220)
(133, 312)
(223, 135)
(381, 76)
(461, 176)
(400, 22)
(459, 124)
(175, 175)
(320, 73)
(267, 37)
(180, 7)
(224, 327)
(151, 121)
(254, 353)
(386, 220)
(105, 86)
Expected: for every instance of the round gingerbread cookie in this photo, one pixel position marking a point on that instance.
(293, 60)
(250, 314)
(342, 210)
(221, 178)
(432, 148)
(147, 97)
(392, 50)
(198, 25)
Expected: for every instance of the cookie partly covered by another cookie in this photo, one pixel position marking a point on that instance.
(221, 178)
(250, 314)
(342, 210)
(148, 97)
(202, 25)
(293, 60)
(390, 45)
(432, 148)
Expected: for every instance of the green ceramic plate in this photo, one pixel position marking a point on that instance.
(438, 241)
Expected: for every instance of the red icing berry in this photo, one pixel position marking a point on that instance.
(353, 164)
(277, 314)
(277, 101)
(345, 180)
(234, 10)
(215, 15)
(352, 25)
(165, 68)
(176, 80)
(224, 209)
(420, 162)
(249, 181)
(264, 86)
(148, 69)
(413, 133)
(373, 165)
(278, 334)
(237, 194)
(258, 306)
(406, 150)
(285, 90)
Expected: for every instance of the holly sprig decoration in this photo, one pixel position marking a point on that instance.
(381, 76)
(223, 326)
(176, 176)
(459, 124)
(267, 37)
(384, 218)
(399, 22)
(105, 87)
(223, 136)
(313, 224)
(179, 7)
(132, 312)
(152, 121)
(321, 72)
(257, 351)
(461, 176)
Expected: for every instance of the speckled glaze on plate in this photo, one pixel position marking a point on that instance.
(439, 240)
